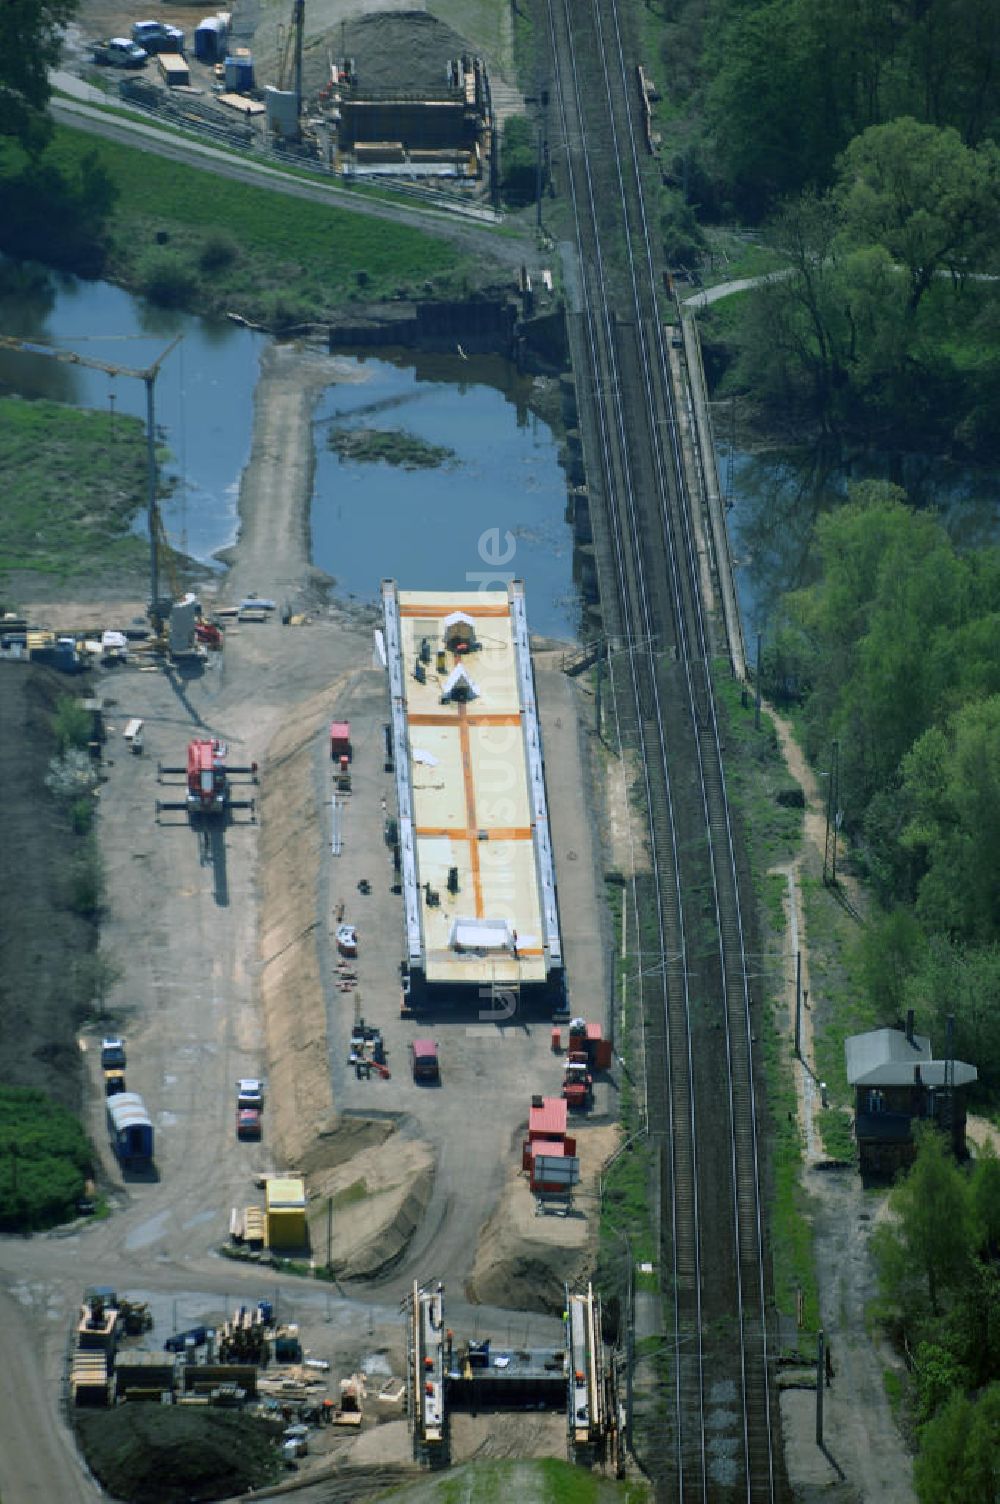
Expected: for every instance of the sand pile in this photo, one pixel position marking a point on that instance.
(523, 1260)
(368, 1208)
(300, 1100)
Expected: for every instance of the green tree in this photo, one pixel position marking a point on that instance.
(71, 723)
(949, 53)
(760, 106)
(30, 44)
(519, 161)
(892, 947)
(952, 779)
(919, 192)
(971, 1331)
(931, 1240)
(986, 1198)
(795, 330)
(963, 981)
(959, 1457)
(937, 1374)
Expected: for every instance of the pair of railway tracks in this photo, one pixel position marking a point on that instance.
(718, 1440)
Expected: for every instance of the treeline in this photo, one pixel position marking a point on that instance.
(939, 1281)
(860, 139)
(882, 326)
(894, 655)
(765, 94)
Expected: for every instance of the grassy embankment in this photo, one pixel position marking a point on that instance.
(193, 239)
(542, 1481)
(73, 482)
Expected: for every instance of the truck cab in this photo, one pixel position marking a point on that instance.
(120, 52)
(112, 1053)
(424, 1060)
(249, 1092)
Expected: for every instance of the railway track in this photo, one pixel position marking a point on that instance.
(720, 1440)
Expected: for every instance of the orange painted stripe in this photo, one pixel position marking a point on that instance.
(432, 718)
(477, 609)
(470, 807)
(493, 832)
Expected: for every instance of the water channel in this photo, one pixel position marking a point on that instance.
(429, 528)
(501, 493)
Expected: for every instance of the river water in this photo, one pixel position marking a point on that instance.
(502, 495)
(774, 499)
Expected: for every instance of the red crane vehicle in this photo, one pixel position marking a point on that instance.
(207, 777)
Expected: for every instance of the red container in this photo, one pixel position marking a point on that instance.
(549, 1149)
(549, 1120)
(554, 1148)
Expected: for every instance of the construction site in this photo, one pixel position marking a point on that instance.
(349, 96)
(351, 812)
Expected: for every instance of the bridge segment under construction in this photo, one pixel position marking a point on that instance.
(481, 914)
(445, 1374)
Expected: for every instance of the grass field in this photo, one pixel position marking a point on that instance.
(73, 480)
(544, 1481)
(203, 242)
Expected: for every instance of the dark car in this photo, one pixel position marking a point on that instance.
(158, 36)
(248, 1122)
(195, 1336)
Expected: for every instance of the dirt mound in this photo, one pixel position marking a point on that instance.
(336, 1145)
(378, 1198)
(291, 992)
(166, 1454)
(523, 1260)
(394, 50)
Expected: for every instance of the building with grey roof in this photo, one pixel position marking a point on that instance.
(897, 1082)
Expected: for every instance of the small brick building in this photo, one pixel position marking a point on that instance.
(896, 1081)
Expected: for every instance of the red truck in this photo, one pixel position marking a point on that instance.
(424, 1060)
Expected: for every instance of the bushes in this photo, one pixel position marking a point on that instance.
(83, 880)
(165, 278)
(519, 162)
(71, 723)
(44, 1160)
(218, 252)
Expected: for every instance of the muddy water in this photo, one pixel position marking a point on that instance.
(501, 497)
